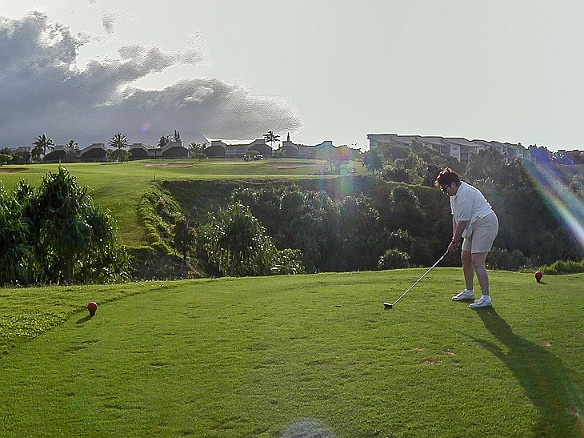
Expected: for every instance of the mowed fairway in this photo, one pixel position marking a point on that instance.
(273, 356)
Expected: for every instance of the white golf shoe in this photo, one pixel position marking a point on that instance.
(481, 303)
(465, 295)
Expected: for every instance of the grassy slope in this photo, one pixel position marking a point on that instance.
(255, 356)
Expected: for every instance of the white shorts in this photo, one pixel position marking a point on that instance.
(484, 231)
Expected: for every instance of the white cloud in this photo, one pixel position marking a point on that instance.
(108, 20)
(45, 91)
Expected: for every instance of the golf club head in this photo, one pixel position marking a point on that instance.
(388, 305)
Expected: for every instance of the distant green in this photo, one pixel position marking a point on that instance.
(256, 357)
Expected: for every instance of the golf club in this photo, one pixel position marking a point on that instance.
(390, 305)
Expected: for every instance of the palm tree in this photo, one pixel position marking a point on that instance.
(72, 144)
(164, 140)
(196, 148)
(41, 144)
(119, 141)
(271, 138)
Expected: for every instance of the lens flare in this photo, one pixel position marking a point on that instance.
(566, 206)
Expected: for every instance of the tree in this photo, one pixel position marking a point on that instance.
(69, 234)
(362, 236)
(236, 238)
(485, 164)
(238, 244)
(405, 212)
(72, 144)
(119, 141)
(20, 156)
(184, 238)
(164, 140)
(410, 169)
(196, 149)
(372, 161)
(118, 155)
(271, 138)
(176, 138)
(13, 245)
(5, 159)
(41, 144)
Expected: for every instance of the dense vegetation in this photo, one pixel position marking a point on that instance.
(366, 223)
(381, 225)
(55, 234)
(237, 225)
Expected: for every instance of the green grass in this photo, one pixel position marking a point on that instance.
(254, 357)
(118, 187)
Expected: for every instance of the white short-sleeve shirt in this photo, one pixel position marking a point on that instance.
(469, 204)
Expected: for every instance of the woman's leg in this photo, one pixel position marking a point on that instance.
(478, 265)
(467, 268)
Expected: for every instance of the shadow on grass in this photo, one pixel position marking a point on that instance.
(84, 319)
(543, 376)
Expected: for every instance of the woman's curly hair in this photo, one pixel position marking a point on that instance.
(447, 176)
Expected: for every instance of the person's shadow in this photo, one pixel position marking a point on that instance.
(546, 380)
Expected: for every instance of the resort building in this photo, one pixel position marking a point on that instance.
(459, 148)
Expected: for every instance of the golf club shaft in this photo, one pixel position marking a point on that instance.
(420, 279)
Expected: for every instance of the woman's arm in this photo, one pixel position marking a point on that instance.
(457, 230)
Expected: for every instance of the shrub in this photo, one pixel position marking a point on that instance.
(564, 267)
(394, 259)
(287, 261)
(500, 258)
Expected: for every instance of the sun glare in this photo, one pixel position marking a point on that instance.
(565, 205)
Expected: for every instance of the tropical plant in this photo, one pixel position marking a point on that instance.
(5, 159)
(164, 140)
(13, 244)
(184, 238)
(72, 144)
(271, 138)
(68, 234)
(19, 156)
(119, 141)
(236, 238)
(119, 155)
(237, 245)
(564, 267)
(196, 148)
(393, 259)
(41, 145)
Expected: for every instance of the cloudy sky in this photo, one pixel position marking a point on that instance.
(319, 69)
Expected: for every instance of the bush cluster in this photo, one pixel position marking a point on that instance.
(564, 267)
(54, 234)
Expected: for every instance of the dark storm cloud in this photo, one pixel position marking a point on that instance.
(44, 91)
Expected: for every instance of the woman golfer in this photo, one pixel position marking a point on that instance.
(473, 220)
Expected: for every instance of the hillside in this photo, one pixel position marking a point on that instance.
(197, 188)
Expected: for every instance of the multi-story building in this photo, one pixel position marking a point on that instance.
(459, 148)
